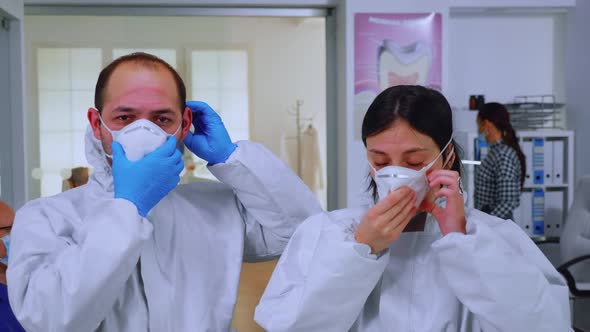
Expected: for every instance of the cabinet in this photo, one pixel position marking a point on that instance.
(549, 182)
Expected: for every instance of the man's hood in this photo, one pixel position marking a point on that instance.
(96, 157)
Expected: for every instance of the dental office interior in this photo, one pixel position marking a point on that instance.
(289, 75)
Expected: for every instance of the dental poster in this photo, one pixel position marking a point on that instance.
(394, 49)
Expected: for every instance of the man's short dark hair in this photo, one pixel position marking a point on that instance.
(143, 59)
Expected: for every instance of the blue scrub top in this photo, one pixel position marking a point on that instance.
(8, 322)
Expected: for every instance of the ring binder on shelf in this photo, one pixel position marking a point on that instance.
(538, 212)
(538, 161)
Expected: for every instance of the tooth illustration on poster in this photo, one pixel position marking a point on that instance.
(403, 65)
(394, 49)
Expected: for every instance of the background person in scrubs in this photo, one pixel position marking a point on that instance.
(499, 178)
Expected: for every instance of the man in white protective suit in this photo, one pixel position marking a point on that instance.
(131, 250)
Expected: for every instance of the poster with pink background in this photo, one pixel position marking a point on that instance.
(394, 49)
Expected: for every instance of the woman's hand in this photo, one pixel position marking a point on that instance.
(385, 221)
(452, 217)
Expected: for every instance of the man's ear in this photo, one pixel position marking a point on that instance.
(94, 120)
(187, 121)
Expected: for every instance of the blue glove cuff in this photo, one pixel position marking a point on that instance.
(222, 157)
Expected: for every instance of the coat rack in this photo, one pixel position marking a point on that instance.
(298, 120)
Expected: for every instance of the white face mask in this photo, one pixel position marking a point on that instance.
(139, 138)
(391, 178)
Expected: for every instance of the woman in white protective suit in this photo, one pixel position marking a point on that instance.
(416, 259)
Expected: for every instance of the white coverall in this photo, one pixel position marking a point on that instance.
(493, 278)
(85, 261)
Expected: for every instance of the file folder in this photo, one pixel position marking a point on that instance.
(525, 212)
(538, 212)
(548, 162)
(558, 162)
(538, 161)
(527, 149)
(553, 213)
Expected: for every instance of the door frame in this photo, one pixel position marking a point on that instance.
(12, 151)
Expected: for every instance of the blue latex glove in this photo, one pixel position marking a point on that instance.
(146, 181)
(210, 141)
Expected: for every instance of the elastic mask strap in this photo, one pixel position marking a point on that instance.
(104, 124)
(373, 168)
(109, 130)
(178, 129)
(427, 167)
(449, 156)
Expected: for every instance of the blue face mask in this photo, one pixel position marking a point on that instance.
(6, 241)
(482, 134)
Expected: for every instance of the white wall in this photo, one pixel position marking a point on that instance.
(286, 58)
(502, 56)
(578, 82)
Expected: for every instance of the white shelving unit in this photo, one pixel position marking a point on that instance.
(558, 191)
(557, 194)
(567, 136)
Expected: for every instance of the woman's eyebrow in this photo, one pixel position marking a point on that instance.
(413, 150)
(377, 152)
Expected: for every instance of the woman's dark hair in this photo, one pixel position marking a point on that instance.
(498, 115)
(426, 110)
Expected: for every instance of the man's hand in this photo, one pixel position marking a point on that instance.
(385, 221)
(146, 181)
(210, 141)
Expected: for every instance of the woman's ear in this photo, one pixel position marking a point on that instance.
(450, 157)
(452, 160)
